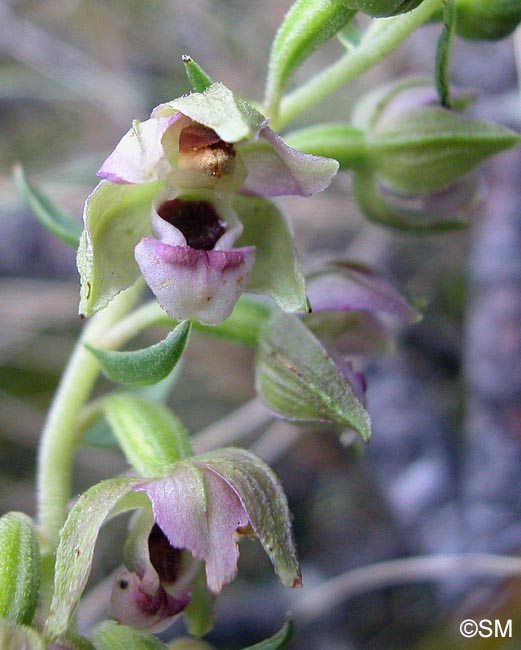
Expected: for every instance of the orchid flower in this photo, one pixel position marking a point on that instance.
(198, 511)
(167, 203)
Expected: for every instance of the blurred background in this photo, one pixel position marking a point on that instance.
(442, 473)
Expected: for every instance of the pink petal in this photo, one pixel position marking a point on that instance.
(198, 511)
(139, 156)
(194, 283)
(279, 170)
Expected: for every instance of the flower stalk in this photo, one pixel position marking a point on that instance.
(375, 46)
(59, 437)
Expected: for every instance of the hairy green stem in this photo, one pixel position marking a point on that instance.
(59, 436)
(374, 47)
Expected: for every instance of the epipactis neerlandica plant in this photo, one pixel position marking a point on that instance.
(185, 202)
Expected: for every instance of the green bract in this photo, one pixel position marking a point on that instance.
(19, 568)
(146, 366)
(297, 379)
(150, 435)
(383, 8)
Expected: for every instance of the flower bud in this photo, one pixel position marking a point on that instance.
(415, 146)
(383, 8)
(487, 19)
(20, 570)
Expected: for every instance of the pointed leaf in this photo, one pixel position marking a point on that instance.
(19, 568)
(57, 222)
(265, 503)
(277, 271)
(196, 75)
(76, 549)
(19, 637)
(298, 380)
(230, 116)
(113, 636)
(148, 365)
(277, 641)
(150, 435)
(307, 25)
(116, 217)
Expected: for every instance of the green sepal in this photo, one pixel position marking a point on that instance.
(61, 224)
(148, 365)
(199, 616)
(383, 8)
(487, 19)
(196, 75)
(114, 636)
(374, 207)
(243, 325)
(277, 271)
(426, 149)
(76, 549)
(230, 116)
(19, 637)
(19, 568)
(339, 141)
(116, 217)
(277, 641)
(443, 50)
(298, 380)
(150, 435)
(307, 25)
